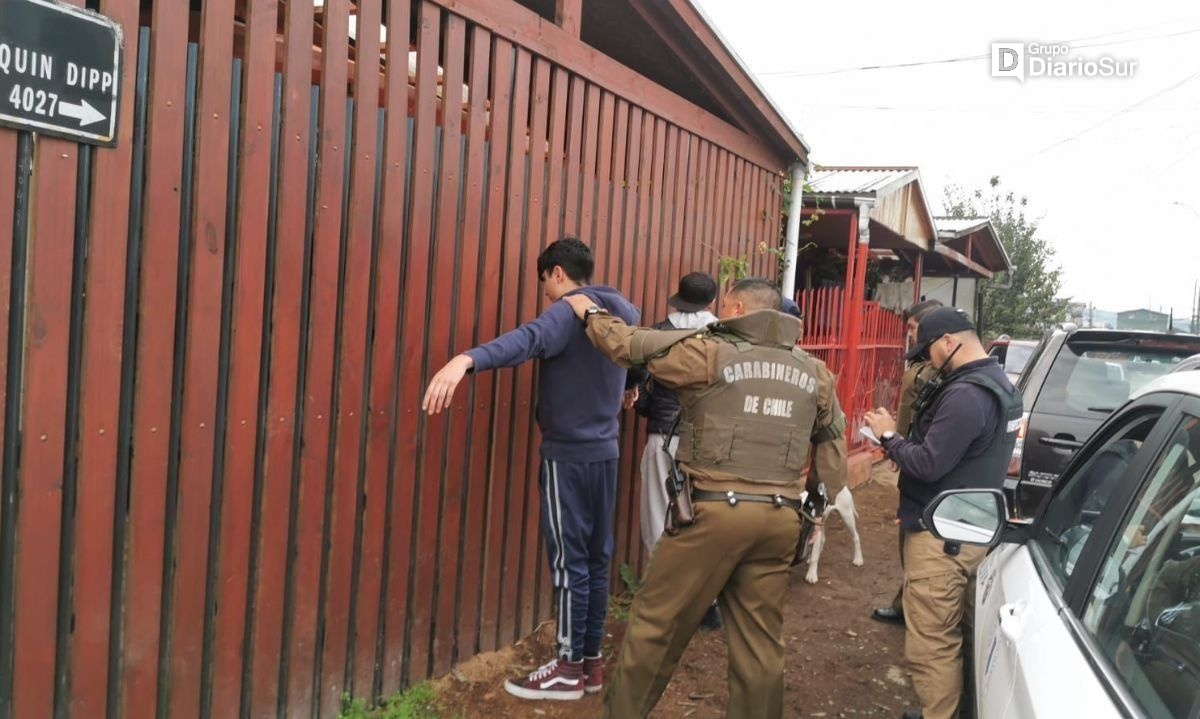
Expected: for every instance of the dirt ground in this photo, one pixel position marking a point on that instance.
(840, 663)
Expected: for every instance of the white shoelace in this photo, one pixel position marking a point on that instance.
(544, 671)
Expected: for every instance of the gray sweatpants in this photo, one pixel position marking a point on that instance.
(655, 470)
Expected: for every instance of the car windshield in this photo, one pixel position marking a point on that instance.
(1096, 379)
(1018, 357)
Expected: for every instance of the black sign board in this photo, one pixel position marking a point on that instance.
(60, 70)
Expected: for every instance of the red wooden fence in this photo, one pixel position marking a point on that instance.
(219, 495)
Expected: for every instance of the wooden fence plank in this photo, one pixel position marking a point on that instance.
(100, 389)
(633, 158)
(155, 351)
(705, 192)
(691, 216)
(774, 220)
(8, 196)
(494, 388)
(525, 461)
(470, 300)
(413, 331)
(718, 245)
(736, 221)
(372, 610)
(668, 265)
(591, 132)
(317, 424)
(351, 379)
(615, 271)
(753, 221)
(51, 244)
(638, 154)
(603, 243)
(570, 208)
(200, 361)
(268, 657)
(556, 203)
(241, 434)
(438, 555)
(679, 170)
(513, 482)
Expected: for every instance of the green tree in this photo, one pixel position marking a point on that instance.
(1024, 302)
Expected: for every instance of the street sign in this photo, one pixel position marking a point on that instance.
(60, 70)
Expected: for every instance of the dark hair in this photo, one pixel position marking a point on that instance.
(920, 309)
(758, 293)
(570, 254)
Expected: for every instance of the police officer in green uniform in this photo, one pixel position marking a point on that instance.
(752, 407)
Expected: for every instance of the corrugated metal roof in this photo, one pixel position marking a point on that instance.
(859, 180)
(957, 225)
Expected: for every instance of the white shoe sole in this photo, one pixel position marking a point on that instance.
(594, 690)
(555, 695)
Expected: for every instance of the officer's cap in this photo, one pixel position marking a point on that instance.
(936, 324)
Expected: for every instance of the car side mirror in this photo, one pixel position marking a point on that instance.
(967, 516)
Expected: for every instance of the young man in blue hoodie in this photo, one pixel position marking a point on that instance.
(579, 399)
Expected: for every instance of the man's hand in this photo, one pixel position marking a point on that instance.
(441, 387)
(579, 304)
(631, 398)
(880, 421)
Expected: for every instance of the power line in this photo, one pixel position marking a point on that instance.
(1120, 113)
(963, 58)
(1180, 158)
(920, 63)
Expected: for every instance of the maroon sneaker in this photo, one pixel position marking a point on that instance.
(556, 680)
(593, 674)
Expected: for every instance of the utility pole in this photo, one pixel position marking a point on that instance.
(1195, 328)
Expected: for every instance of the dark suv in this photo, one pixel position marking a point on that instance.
(1073, 381)
(1012, 354)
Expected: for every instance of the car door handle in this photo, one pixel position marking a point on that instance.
(1012, 619)
(1060, 443)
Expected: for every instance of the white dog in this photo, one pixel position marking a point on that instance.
(843, 504)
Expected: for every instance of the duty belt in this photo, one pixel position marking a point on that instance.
(699, 495)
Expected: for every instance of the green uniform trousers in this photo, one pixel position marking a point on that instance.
(739, 555)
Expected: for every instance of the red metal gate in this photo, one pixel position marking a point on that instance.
(879, 349)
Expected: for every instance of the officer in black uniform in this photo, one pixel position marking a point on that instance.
(963, 438)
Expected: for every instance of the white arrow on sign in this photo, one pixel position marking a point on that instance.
(84, 112)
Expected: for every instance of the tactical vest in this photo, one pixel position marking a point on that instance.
(987, 469)
(755, 421)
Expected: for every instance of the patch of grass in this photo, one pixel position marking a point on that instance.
(631, 582)
(619, 604)
(618, 608)
(354, 708)
(417, 702)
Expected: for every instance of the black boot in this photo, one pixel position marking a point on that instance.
(712, 619)
(890, 615)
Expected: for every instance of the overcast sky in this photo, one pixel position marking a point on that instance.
(1102, 160)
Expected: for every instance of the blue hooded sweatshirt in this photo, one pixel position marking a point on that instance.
(579, 390)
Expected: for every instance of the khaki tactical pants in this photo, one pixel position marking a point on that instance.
(937, 599)
(739, 555)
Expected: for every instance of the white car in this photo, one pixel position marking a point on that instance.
(1093, 610)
